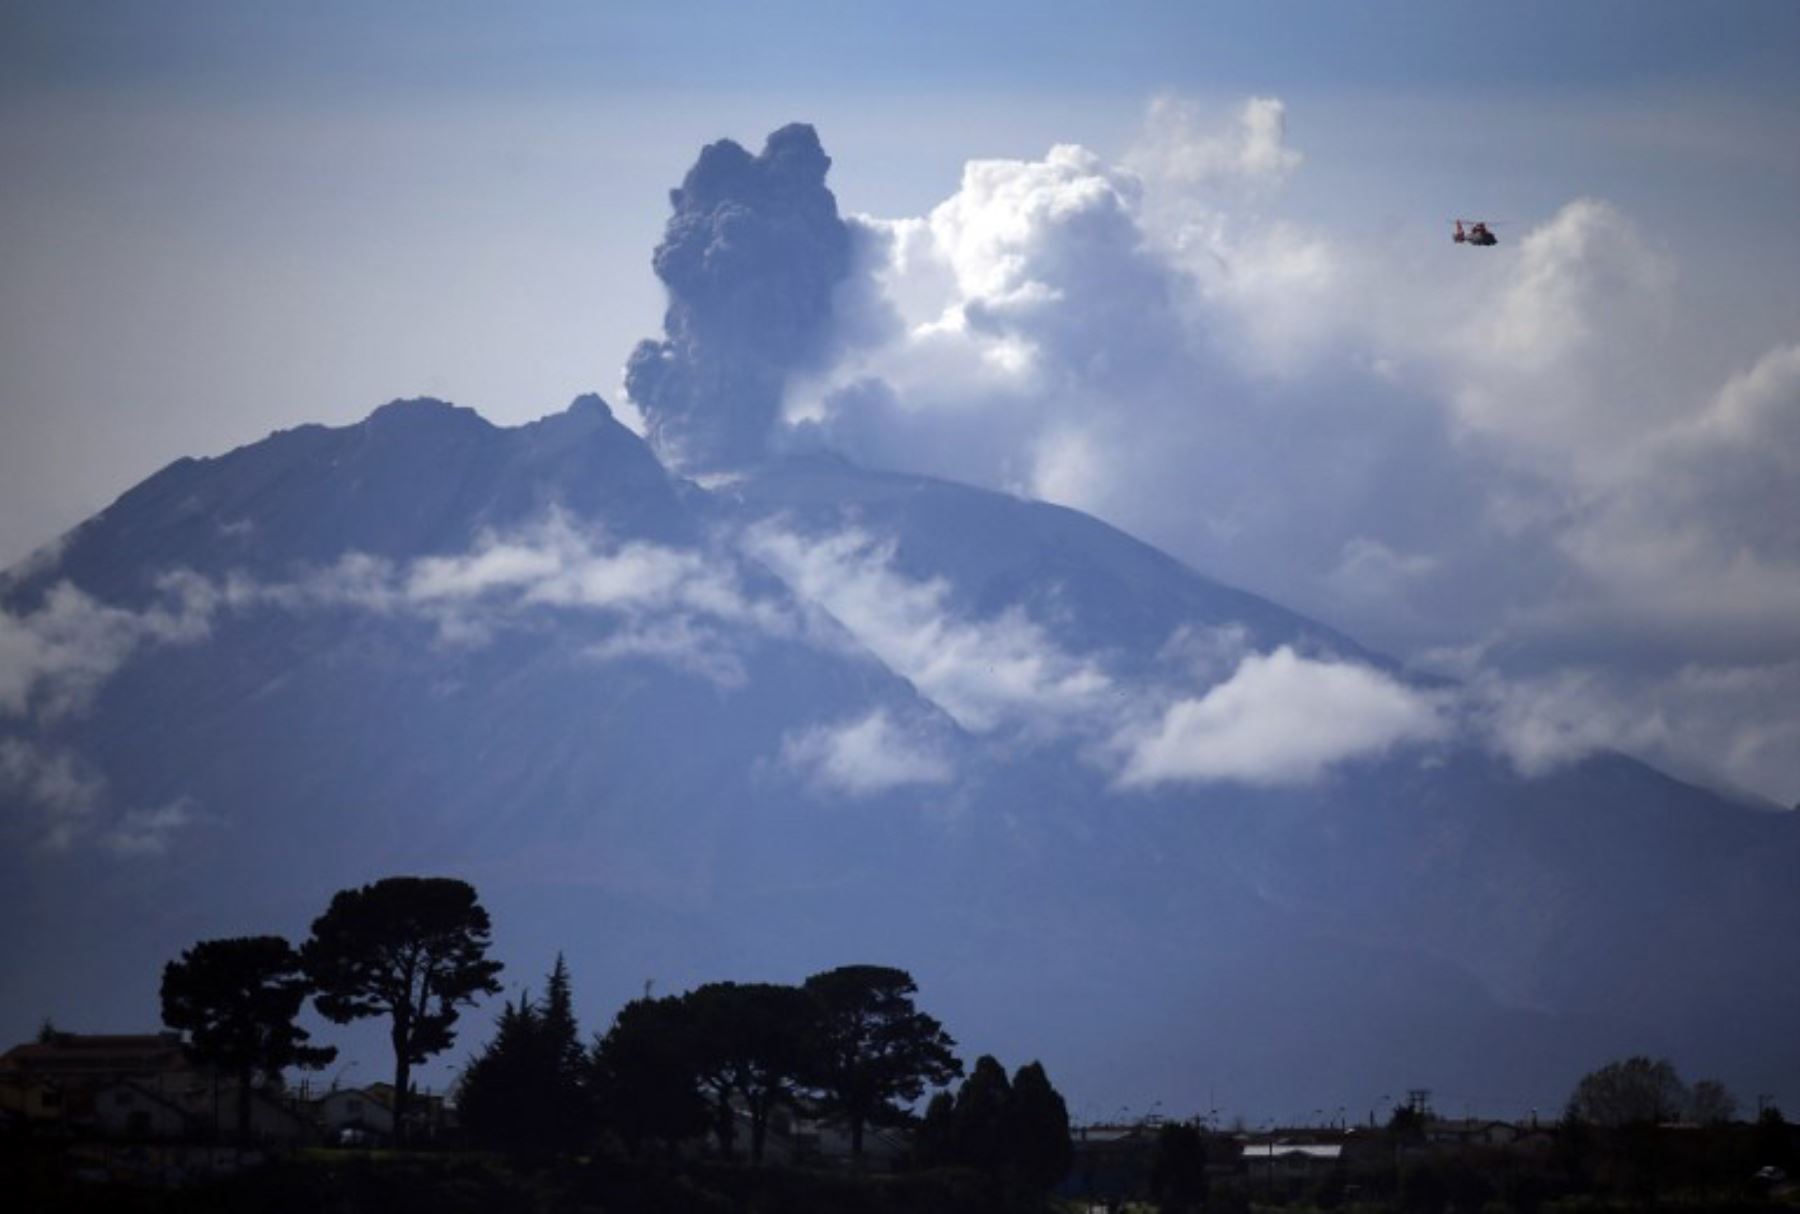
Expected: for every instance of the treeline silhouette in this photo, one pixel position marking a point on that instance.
(718, 1063)
(706, 1073)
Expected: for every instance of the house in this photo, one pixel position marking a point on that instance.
(1270, 1161)
(1110, 1162)
(127, 1110)
(273, 1119)
(26, 1100)
(428, 1114)
(84, 1061)
(365, 1116)
(827, 1141)
(58, 1077)
(1471, 1132)
(137, 1085)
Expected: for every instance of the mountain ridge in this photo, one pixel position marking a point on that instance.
(659, 775)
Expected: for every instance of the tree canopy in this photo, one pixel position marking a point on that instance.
(413, 949)
(236, 999)
(753, 1043)
(1178, 1178)
(1634, 1091)
(876, 1052)
(1039, 1150)
(644, 1075)
(1016, 1132)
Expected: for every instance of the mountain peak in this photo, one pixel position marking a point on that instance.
(591, 403)
(418, 411)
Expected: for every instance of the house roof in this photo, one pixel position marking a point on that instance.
(96, 1055)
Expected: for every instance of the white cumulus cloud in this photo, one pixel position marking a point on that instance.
(1003, 670)
(54, 657)
(1280, 719)
(865, 756)
(67, 804)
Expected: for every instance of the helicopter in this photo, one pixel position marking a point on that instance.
(1477, 233)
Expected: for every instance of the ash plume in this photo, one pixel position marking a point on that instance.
(750, 258)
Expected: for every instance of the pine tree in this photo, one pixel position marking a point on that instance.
(526, 1091)
(644, 1075)
(412, 949)
(497, 1099)
(237, 999)
(566, 1062)
(874, 1050)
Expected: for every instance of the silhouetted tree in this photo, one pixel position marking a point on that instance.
(1178, 1171)
(1633, 1091)
(526, 1090)
(873, 1048)
(237, 999)
(934, 1143)
(1572, 1148)
(566, 1092)
(756, 1040)
(1016, 1132)
(979, 1126)
(1773, 1141)
(645, 1077)
(498, 1099)
(1038, 1149)
(718, 1053)
(1407, 1121)
(413, 949)
(1711, 1103)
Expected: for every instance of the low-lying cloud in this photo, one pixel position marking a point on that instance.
(865, 756)
(1001, 671)
(1280, 719)
(55, 656)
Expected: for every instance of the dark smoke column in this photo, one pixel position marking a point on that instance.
(750, 258)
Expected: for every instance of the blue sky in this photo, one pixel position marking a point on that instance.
(1551, 466)
(222, 49)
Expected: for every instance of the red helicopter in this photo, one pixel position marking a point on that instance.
(1478, 233)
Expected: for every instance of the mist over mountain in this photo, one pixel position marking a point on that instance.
(1184, 844)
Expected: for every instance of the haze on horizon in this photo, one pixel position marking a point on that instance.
(1185, 268)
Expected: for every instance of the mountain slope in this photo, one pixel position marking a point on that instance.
(816, 714)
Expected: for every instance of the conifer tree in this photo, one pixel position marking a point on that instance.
(526, 1091)
(980, 1127)
(1039, 1150)
(497, 1096)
